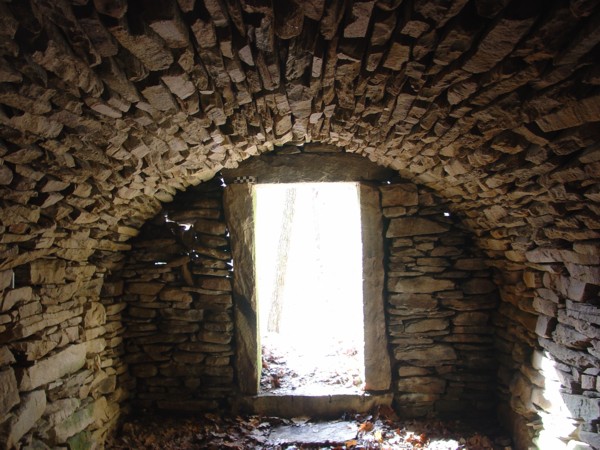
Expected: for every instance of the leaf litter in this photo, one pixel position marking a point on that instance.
(381, 430)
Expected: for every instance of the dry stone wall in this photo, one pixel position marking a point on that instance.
(57, 379)
(178, 307)
(440, 298)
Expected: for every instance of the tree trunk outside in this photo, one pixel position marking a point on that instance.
(278, 290)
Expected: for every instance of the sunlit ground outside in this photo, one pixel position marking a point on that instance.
(309, 285)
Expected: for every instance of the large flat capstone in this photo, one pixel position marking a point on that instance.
(52, 368)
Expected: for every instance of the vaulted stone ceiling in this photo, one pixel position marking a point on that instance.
(109, 107)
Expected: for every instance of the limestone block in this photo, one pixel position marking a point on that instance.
(425, 325)
(586, 312)
(6, 277)
(175, 295)
(414, 226)
(14, 296)
(471, 318)
(24, 418)
(52, 368)
(545, 326)
(73, 424)
(570, 338)
(141, 313)
(9, 393)
(94, 347)
(419, 285)
(422, 385)
(81, 441)
(590, 438)
(58, 410)
(165, 20)
(17, 214)
(469, 264)
(413, 302)
(188, 358)
(6, 175)
(39, 125)
(160, 97)
(571, 116)
(95, 315)
(575, 289)
(399, 195)
(581, 407)
(215, 337)
(6, 356)
(113, 8)
(431, 354)
(575, 358)
(112, 288)
(478, 286)
(215, 284)
(178, 326)
(203, 347)
(192, 315)
(143, 288)
(289, 17)
(358, 22)
(179, 84)
(48, 271)
(213, 227)
(34, 349)
(147, 47)
(497, 43)
(397, 56)
(102, 411)
(586, 274)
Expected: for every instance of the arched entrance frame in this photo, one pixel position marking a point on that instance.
(239, 212)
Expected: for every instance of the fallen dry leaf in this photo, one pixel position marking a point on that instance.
(365, 427)
(252, 432)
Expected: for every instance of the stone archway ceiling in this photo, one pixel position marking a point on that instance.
(108, 107)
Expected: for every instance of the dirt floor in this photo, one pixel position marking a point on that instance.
(379, 431)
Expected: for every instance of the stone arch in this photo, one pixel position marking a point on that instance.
(181, 315)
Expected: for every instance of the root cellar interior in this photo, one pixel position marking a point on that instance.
(133, 135)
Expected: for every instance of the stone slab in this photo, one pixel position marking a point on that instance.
(24, 418)
(313, 433)
(52, 368)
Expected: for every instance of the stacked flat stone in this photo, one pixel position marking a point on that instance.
(440, 303)
(179, 323)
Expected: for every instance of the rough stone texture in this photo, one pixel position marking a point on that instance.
(240, 217)
(9, 393)
(378, 374)
(53, 368)
(413, 226)
(429, 269)
(24, 418)
(493, 106)
(177, 307)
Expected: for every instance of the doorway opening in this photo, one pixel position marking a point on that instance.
(309, 283)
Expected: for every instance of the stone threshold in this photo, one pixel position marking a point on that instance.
(321, 406)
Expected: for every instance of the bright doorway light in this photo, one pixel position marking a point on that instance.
(309, 287)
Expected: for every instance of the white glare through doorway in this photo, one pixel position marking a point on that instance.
(309, 285)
